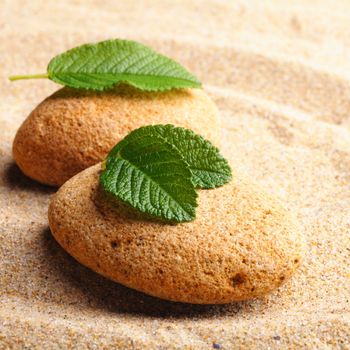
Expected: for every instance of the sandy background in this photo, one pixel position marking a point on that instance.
(280, 74)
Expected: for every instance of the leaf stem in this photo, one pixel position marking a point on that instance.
(33, 76)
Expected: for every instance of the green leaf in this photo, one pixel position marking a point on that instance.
(103, 65)
(209, 168)
(150, 175)
(156, 168)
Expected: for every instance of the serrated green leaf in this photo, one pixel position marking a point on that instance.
(156, 168)
(150, 175)
(209, 168)
(103, 65)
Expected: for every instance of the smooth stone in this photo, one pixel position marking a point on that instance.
(74, 129)
(242, 244)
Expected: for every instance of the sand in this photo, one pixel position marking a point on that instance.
(280, 73)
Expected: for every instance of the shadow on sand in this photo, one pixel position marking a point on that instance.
(15, 179)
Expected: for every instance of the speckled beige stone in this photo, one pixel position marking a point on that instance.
(241, 245)
(279, 71)
(74, 129)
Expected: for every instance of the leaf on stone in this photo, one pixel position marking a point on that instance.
(209, 168)
(108, 63)
(147, 173)
(157, 167)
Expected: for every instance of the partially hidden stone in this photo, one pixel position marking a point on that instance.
(74, 129)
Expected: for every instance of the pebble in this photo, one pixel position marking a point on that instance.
(74, 129)
(243, 243)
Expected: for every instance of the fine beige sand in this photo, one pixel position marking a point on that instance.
(279, 72)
